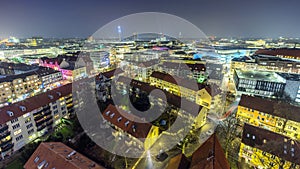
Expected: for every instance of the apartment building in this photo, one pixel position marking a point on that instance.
(23, 85)
(24, 121)
(266, 149)
(189, 89)
(273, 115)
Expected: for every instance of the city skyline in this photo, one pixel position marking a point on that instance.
(267, 19)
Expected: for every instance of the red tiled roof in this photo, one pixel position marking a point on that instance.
(210, 155)
(178, 162)
(34, 102)
(281, 51)
(274, 143)
(273, 107)
(129, 123)
(55, 155)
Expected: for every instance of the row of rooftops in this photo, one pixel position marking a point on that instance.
(186, 105)
(184, 66)
(41, 71)
(271, 55)
(272, 143)
(18, 109)
(280, 51)
(56, 155)
(272, 107)
(16, 66)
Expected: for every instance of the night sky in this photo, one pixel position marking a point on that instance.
(73, 18)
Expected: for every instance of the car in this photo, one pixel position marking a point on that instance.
(161, 156)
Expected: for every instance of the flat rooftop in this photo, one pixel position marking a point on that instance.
(289, 76)
(260, 75)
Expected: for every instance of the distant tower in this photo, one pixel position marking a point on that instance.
(180, 35)
(120, 33)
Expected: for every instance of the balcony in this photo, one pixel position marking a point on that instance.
(69, 101)
(39, 123)
(38, 112)
(49, 123)
(4, 143)
(48, 118)
(41, 127)
(69, 105)
(7, 147)
(47, 107)
(4, 135)
(47, 112)
(37, 118)
(3, 129)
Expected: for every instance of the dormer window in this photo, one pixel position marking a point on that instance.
(126, 123)
(23, 108)
(107, 113)
(112, 115)
(133, 128)
(119, 119)
(50, 96)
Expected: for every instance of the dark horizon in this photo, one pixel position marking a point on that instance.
(71, 19)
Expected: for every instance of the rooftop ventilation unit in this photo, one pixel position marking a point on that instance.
(22, 108)
(50, 96)
(10, 113)
(71, 154)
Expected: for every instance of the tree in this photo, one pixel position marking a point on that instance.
(28, 150)
(269, 160)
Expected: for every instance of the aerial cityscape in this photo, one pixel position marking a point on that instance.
(94, 85)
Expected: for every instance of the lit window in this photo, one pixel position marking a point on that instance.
(17, 132)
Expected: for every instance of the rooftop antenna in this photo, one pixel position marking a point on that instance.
(120, 33)
(180, 35)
